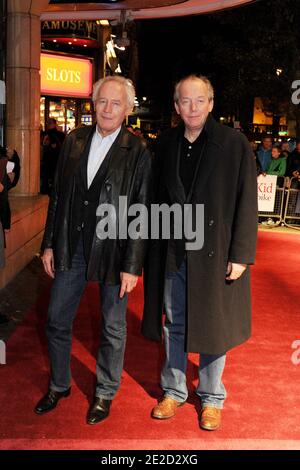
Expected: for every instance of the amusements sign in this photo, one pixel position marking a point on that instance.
(266, 191)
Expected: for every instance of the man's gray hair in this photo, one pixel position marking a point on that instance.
(194, 77)
(125, 82)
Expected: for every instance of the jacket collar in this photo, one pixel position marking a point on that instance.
(212, 128)
(86, 133)
(205, 164)
(122, 142)
(124, 139)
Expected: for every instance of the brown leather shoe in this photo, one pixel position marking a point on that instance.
(210, 418)
(166, 408)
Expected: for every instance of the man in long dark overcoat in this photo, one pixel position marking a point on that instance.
(205, 293)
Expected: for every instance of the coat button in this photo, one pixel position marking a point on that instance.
(211, 223)
(78, 228)
(211, 254)
(86, 203)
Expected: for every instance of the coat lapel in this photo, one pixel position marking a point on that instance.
(118, 150)
(79, 151)
(210, 156)
(198, 166)
(111, 154)
(174, 183)
(206, 165)
(85, 156)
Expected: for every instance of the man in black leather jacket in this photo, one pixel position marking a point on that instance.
(96, 166)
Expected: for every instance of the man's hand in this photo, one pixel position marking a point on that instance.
(48, 262)
(128, 283)
(234, 271)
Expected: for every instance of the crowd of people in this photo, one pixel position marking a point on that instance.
(281, 159)
(277, 158)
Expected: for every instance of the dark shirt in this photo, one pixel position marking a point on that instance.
(189, 155)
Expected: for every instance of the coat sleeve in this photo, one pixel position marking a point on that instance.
(154, 271)
(133, 259)
(47, 241)
(244, 227)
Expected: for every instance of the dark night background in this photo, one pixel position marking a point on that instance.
(247, 52)
(240, 50)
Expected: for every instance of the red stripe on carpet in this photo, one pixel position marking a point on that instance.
(262, 382)
(146, 444)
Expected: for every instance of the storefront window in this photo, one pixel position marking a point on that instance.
(69, 113)
(64, 111)
(86, 113)
(42, 113)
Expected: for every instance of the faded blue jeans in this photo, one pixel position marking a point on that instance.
(66, 293)
(173, 379)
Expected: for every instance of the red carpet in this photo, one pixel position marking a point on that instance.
(263, 385)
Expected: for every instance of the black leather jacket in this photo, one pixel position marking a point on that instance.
(128, 174)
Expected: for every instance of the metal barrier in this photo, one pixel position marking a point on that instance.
(275, 217)
(2, 352)
(292, 206)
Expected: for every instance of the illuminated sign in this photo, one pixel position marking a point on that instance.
(84, 29)
(66, 76)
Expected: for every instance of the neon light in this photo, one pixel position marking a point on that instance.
(66, 76)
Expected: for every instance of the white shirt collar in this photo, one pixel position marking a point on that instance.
(110, 137)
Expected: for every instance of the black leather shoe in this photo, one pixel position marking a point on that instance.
(50, 400)
(98, 411)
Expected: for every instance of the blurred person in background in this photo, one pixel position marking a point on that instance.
(5, 215)
(277, 165)
(293, 162)
(13, 175)
(264, 152)
(52, 144)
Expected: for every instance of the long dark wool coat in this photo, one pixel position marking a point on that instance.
(218, 312)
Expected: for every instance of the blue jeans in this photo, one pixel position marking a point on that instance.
(173, 379)
(66, 293)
